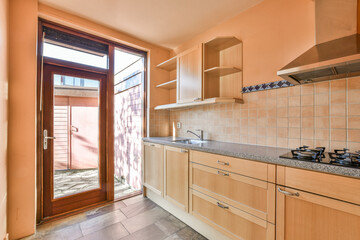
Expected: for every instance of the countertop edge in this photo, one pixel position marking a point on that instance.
(331, 169)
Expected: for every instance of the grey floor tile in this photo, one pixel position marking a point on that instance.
(102, 221)
(105, 209)
(133, 200)
(187, 233)
(138, 207)
(113, 232)
(144, 219)
(151, 232)
(170, 225)
(69, 233)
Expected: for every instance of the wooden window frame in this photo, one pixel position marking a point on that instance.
(109, 113)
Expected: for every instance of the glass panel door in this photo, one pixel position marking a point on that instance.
(76, 131)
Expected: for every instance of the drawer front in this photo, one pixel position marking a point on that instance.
(229, 220)
(262, 171)
(338, 187)
(248, 194)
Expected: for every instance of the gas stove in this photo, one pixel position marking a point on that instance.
(339, 157)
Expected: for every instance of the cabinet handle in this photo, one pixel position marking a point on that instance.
(223, 174)
(223, 163)
(289, 193)
(222, 206)
(196, 99)
(152, 145)
(183, 150)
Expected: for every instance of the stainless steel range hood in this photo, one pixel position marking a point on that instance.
(337, 52)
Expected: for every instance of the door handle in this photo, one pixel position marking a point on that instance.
(46, 138)
(197, 99)
(222, 206)
(76, 129)
(288, 193)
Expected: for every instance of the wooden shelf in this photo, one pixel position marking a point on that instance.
(168, 85)
(199, 103)
(221, 43)
(222, 71)
(168, 65)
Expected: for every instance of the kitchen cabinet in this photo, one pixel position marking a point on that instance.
(313, 206)
(208, 73)
(189, 84)
(233, 195)
(176, 176)
(154, 167)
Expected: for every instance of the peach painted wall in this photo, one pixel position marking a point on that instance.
(3, 113)
(22, 117)
(156, 55)
(274, 32)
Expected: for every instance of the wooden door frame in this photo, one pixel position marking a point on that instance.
(109, 107)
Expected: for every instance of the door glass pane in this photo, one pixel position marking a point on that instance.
(76, 128)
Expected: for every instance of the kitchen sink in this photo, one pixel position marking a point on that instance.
(189, 141)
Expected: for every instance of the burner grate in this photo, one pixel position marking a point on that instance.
(306, 153)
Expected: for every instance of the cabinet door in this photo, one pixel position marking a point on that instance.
(189, 82)
(231, 221)
(302, 215)
(176, 176)
(154, 167)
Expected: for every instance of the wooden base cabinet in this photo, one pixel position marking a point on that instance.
(177, 176)
(233, 222)
(302, 215)
(154, 167)
(315, 206)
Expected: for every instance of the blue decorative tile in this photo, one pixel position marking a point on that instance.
(267, 86)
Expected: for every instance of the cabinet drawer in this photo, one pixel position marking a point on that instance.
(262, 171)
(251, 195)
(338, 187)
(229, 220)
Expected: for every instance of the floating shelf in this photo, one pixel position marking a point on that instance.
(199, 103)
(168, 65)
(222, 71)
(221, 43)
(168, 85)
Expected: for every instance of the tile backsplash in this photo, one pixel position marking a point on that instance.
(318, 114)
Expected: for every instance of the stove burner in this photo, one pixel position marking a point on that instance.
(345, 157)
(306, 153)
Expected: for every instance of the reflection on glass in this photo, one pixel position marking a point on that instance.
(77, 56)
(76, 128)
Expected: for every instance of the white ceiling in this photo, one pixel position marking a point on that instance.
(167, 23)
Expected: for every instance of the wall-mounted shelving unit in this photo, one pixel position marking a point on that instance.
(219, 69)
(222, 66)
(168, 85)
(171, 67)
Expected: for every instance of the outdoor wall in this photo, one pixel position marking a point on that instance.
(128, 136)
(3, 113)
(22, 117)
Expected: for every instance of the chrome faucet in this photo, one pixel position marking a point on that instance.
(200, 136)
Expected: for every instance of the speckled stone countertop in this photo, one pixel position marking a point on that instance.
(257, 153)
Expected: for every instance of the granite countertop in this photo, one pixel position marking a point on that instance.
(257, 153)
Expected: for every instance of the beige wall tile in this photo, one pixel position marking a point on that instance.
(323, 134)
(307, 89)
(338, 135)
(354, 109)
(338, 110)
(354, 122)
(308, 122)
(353, 96)
(322, 122)
(322, 99)
(294, 122)
(354, 83)
(338, 85)
(322, 87)
(354, 135)
(307, 133)
(338, 97)
(294, 111)
(294, 133)
(307, 111)
(322, 111)
(338, 122)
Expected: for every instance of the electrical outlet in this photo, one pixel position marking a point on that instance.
(178, 125)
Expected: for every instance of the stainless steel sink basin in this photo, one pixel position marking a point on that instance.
(189, 141)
